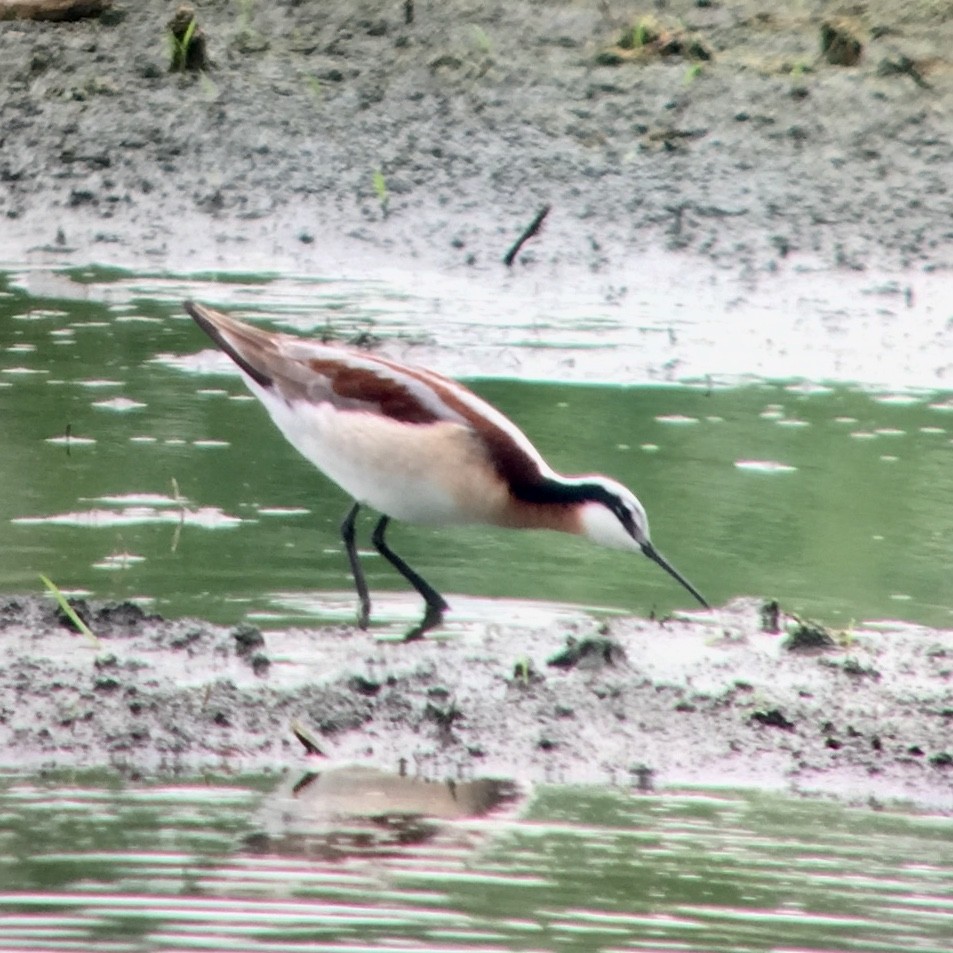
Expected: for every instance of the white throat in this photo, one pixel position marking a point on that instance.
(602, 526)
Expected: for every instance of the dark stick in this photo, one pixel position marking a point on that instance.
(532, 229)
(310, 745)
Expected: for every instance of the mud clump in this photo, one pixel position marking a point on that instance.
(772, 718)
(648, 38)
(364, 686)
(249, 643)
(807, 636)
(589, 654)
(82, 611)
(771, 617)
(248, 639)
(839, 43)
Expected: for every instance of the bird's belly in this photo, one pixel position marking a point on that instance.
(421, 473)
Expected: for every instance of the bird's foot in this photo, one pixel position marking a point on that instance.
(432, 618)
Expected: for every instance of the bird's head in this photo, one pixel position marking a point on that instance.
(612, 516)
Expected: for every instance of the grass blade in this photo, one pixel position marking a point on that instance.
(70, 611)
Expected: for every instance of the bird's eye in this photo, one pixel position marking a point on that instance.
(624, 515)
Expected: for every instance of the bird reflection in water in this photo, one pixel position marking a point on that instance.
(354, 810)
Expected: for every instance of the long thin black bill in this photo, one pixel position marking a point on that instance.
(657, 557)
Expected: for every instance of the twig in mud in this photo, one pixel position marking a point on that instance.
(408, 11)
(532, 229)
(306, 738)
(902, 66)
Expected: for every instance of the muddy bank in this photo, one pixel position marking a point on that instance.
(330, 136)
(763, 195)
(707, 698)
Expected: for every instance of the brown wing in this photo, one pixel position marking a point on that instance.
(300, 369)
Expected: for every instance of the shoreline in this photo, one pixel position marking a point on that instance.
(866, 720)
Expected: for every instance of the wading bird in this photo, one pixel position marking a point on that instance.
(417, 446)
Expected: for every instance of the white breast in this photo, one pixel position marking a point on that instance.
(421, 473)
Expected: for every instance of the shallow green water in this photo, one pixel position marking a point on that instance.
(174, 485)
(89, 864)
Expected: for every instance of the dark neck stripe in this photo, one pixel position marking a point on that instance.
(551, 491)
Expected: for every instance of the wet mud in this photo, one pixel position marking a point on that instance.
(737, 696)
(325, 133)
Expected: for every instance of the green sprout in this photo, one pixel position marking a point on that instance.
(638, 36)
(380, 189)
(314, 85)
(70, 611)
(180, 45)
(845, 637)
(692, 73)
(244, 14)
(799, 69)
(209, 89)
(482, 40)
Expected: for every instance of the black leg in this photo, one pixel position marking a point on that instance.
(360, 583)
(436, 604)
